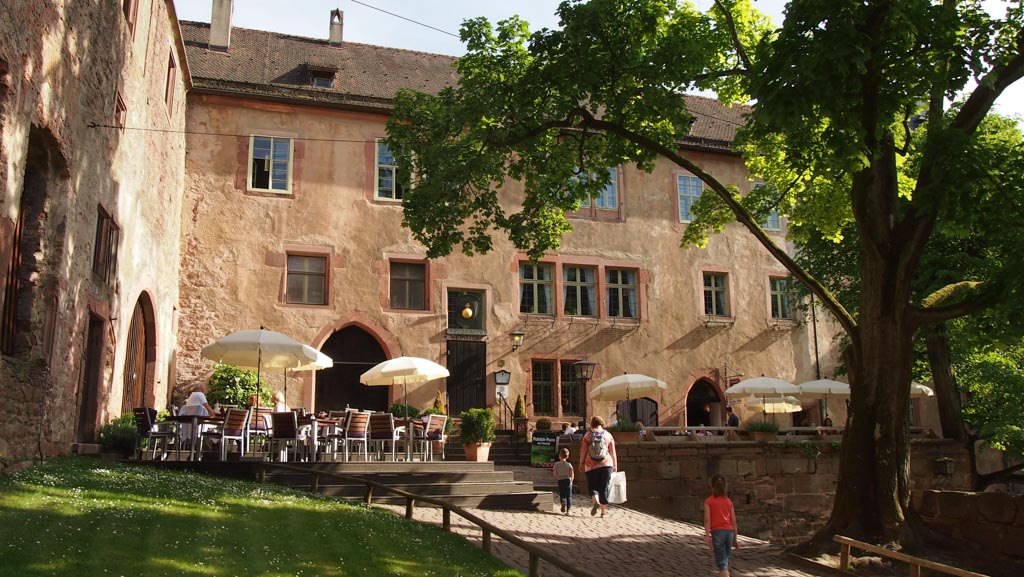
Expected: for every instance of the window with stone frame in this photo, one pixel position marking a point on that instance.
(580, 291)
(386, 186)
(172, 76)
(688, 191)
(306, 280)
(104, 256)
(716, 301)
(536, 289)
(130, 9)
(120, 112)
(543, 388)
(408, 285)
(620, 284)
(270, 164)
(781, 297)
(573, 395)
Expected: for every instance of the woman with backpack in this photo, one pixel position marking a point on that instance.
(598, 461)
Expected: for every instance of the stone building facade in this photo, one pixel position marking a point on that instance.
(92, 107)
(291, 221)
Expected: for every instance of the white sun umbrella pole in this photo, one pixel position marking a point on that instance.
(256, 349)
(403, 371)
(825, 387)
(322, 362)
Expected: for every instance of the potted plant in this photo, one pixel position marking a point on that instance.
(626, 430)
(520, 419)
(763, 430)
(477, 433)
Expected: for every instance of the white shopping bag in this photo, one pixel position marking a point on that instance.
(617, 488)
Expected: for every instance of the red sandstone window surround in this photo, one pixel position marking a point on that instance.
(307, 279)
(104, 256)
(172, 75)
(408, 285)
(270, 164)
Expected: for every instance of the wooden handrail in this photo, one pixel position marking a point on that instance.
(916, 563)
(536, 553)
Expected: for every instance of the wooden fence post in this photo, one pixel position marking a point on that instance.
(534, 565)
(487, 541)
(844, 557)
(408, 507)
(369, 494)
(446, 519)
(314, 483)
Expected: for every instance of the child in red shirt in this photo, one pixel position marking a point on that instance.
(720, 524)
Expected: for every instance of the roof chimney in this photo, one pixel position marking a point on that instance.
(337, 18)
(220, 25)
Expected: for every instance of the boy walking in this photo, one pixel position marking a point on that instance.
(564, 474)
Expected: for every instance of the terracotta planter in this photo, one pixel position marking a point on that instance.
(763, 436)
(477, 451)
(626, 436)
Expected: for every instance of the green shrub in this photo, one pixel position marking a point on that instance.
(118, 436)
(520, 410)
(761, 426)
(439, 403)
(398, 410)
(231, 385)
(477, 427)
(543, 424)
(624, 425)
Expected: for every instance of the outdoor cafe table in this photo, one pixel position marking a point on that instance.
(314, 423)
(409, 425)
(195, 421)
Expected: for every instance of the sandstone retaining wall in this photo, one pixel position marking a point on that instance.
(989, 522)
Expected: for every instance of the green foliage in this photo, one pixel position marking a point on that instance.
(79, 516)
(118, 436)
(994, 382)
(399, 410)
(520, 410)
(543, 424)
(625, 424)
(230, 385)
(760, 426)
(477, 427)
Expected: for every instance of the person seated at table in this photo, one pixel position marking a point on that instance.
(827, 422)
(280, 406)
(568, 429)
(196, 404)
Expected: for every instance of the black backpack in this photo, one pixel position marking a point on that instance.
(598, 448)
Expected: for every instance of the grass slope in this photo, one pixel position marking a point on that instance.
(77, 516)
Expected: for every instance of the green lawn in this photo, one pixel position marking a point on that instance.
(84, 518)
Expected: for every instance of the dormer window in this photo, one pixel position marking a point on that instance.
(321, 79)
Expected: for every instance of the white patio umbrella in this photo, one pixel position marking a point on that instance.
(259, 348)
(627, 385)
(322, 362)
(824, 387)
(774, 405)
(763, 386)
(403, 371)
(918, 390)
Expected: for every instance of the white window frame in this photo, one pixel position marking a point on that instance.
(377, 166)
(691, 199)
(577, 286)
(601, 202)
(270, 182)
(715, 290)
(623, 289)
(773, 222)
(780, 298)
(549, 283)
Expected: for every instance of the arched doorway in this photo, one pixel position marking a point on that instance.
(140, 354)
(354, 351)
(703, 405)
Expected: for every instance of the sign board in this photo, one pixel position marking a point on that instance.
(501, 391)
(543, 452)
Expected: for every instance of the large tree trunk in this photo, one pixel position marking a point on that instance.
(946, 392)
(873, 493)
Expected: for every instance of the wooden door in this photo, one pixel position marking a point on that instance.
(135, 362)
(467, 385)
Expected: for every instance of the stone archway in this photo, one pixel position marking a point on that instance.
(354, 351)
(703, 405)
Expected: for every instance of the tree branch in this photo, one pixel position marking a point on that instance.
(989, 88)
(997, 476)
(731, 24)
(923, 316)
(742, 215)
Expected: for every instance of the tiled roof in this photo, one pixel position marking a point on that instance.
(275, 65)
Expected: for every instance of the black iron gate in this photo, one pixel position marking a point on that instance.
(467, 384)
